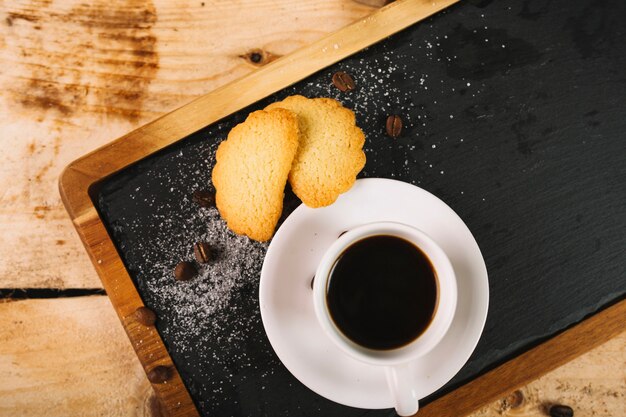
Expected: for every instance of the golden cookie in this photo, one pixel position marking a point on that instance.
(252, 169)
(330, 153)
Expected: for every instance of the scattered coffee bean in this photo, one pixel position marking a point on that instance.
(159, 374)
(561, 411)
(145, 316)
(394, 126)
(202, 252)
(184, 271)
(203, 198)
(343, 81)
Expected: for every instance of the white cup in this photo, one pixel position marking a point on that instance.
(397, 362)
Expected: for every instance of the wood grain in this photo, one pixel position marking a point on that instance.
(374, 3)
(68, 357)
(77, 75)
(63, 98)
(54, 363)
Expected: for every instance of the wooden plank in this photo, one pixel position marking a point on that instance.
(68, 357)
(78, 74)
(54, 363)
(53, 112)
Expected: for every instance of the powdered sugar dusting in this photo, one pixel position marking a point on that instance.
(198, 304)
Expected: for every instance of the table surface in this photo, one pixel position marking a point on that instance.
(77, 75)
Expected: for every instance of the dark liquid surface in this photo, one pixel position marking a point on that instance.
(382, 292)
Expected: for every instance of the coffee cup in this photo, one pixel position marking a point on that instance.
(385, 293)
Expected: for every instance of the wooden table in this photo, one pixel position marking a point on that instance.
(76, 75)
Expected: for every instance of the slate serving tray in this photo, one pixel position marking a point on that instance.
(514, 115)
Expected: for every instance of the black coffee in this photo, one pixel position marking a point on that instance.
(382, 292)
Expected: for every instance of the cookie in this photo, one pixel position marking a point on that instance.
(251, 172)
(330, 153)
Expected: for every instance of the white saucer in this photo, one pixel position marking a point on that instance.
(287, 305)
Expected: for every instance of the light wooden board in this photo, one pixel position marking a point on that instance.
(76, 75)
(47, 63)
(70, 357)
(81, 174)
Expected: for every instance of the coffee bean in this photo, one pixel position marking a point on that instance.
(159, 374)
(561, 411)
(145, 316)
(184, 271)
(394, 126)
(343, 81)
(204, 198)
(202, 252)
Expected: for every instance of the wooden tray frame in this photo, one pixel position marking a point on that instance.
(78, 178)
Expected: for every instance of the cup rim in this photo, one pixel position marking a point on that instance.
(446, 298)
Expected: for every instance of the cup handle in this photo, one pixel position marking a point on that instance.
(402, 386)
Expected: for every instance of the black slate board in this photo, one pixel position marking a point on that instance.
(514, 115)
